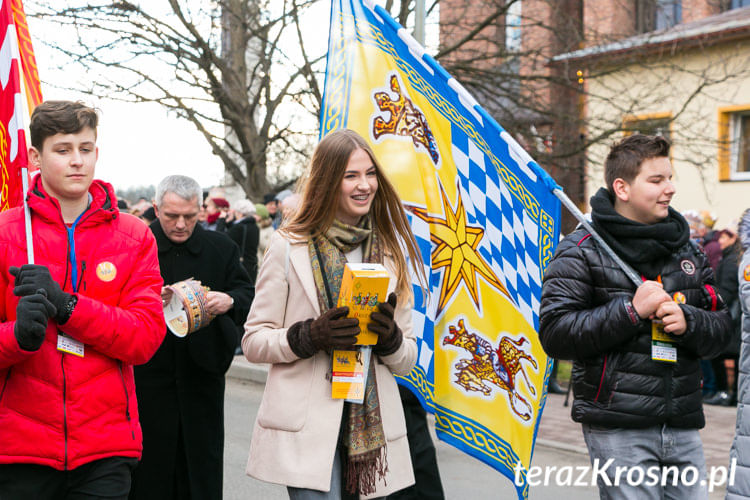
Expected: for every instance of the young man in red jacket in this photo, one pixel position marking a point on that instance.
(73, 323)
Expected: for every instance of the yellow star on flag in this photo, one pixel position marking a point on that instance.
(456, 251)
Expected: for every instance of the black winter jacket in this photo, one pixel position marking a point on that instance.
(585, 316)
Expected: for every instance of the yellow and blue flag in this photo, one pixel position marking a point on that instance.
(485, 219)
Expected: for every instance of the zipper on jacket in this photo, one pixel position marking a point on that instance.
(127, 399)
(5, 383)
(81, 280)
(65, 412)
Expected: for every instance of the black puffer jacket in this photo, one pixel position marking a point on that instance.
(585, 317)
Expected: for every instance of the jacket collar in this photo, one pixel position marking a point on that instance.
(299, 259)
(103, 206)
(194, 244)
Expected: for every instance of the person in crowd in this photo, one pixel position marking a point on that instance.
(740, 487)
(272, 205)
(181, 389)
(636, 376)
(148, 216)
(728, 287)
(139, 206)
(289, 206)
(303, 438)
(217, 212)
(709, 239)
(73, 322)
(263, 218)
(553, 386)
(245, 233)
(698, 234)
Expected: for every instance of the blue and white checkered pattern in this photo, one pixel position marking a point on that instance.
(510, 244)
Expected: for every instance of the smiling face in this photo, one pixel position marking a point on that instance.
(66, 163)
(357, 189)
(646, 199)
(177, 216)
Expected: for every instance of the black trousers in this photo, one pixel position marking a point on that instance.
(105, 478)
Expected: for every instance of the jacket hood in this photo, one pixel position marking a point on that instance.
(743, 228)
(103, 204)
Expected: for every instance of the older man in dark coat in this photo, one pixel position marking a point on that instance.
(181, 389)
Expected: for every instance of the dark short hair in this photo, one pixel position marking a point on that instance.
(60, 117)
(625, 158)
(269, 197)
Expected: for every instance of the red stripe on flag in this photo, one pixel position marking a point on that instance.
(28, 61)
(12, 138)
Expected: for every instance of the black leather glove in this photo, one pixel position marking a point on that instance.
(332, 330)
(32, 314)
(389, 334)
(32, 277)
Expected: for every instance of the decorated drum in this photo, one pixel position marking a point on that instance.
(186, 310)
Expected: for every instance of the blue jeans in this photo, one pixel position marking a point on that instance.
(656, 462)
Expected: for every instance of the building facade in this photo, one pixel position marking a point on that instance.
(673, 67)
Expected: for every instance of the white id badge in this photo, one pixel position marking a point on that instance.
(69, 345)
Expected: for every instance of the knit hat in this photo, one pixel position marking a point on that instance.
(220, 202)
(262, 211)
(268, 198)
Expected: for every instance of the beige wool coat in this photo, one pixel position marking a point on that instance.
(295, 435)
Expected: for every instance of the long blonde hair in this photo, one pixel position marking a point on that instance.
(318, 206)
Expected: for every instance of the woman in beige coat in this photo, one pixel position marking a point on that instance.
(320, 447)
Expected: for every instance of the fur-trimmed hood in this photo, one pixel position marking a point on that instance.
(743, 228)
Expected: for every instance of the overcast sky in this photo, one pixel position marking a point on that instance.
(140, 144)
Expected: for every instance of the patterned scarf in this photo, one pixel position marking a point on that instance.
(363, 432)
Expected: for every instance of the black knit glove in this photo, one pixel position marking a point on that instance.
(32, 314)
(32, 277)
(389, 334)
(332, 330)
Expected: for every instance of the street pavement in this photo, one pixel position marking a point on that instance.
(559, 442)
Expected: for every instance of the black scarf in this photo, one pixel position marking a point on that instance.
(646, 247)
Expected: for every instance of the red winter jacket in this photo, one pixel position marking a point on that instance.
(62, 410)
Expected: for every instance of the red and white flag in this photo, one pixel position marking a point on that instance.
(13, 155)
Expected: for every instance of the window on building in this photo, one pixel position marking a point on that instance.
(739, 149)
(513, 27)
(736, 4)
(649, 125)
(652, 15)
(734, 143)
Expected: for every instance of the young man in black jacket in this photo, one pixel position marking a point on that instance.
(636, 374)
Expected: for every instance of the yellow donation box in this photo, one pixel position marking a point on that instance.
(362, 287)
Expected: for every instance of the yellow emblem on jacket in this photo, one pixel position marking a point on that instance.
(106, 271)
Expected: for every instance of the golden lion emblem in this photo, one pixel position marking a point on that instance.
(495, 366)
(405, 120)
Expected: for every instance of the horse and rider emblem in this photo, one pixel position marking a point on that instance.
(487, 365)
(406, 119)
